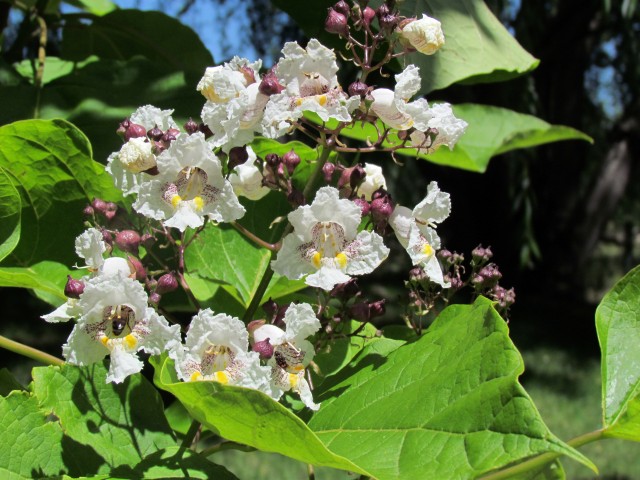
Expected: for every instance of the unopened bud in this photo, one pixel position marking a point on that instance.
(368, 14)
(154, 298)
(381, 208)
(128, 241)
(336, 23)
(273, 160)
(237, 156)
(170, 135)
(190, 127)
(343, 8)
(360, 311)
(99, 205)
(137, 268)
(263, 348)
(388, 22)
(111, 209)
(383, 10)
(147, 240)
(417, 274)
(167, 283)
(270, 85)
(270, 308)
(481, 255)
(88, 211)
(346, 290)
(296, 198)
(376, 309)
(73, 288)
(352, 176)
(358, 88)
(122, 128)
(107, 237)
(205, 130)
(134, 131)
(291, 160)
(327, 172)
(253, 325)
(365, 207)
(249, 75)
(155, 133)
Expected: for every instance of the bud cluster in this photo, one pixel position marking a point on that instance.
(278, 173)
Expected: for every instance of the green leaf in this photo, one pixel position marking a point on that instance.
(49, 163)
(175, 462)
(249, 417)
(494, 130)
(123, 34)
(54, 67)
(550, 471)
(446, 406)
(49, 289)
(123, 423)
(618, 327)
(97, 7)
(10, 212)
(478, 48)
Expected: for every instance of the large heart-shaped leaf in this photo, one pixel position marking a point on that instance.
(618, 326)
(249, 417)
(10, 210)
(446, 406)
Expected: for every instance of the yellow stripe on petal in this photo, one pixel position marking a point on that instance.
(317, 259)
(105, 341)
(195, 376)
(341, 258)
(293, 380)
(221, 376)
(322, 100)
(427, 250)
(198, 202)
(175, 201)
(130, 342)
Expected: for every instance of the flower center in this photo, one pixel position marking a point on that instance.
(119, 320)
(328, 242)
(289, 358)
(216, 358)
(190, 186)
(313, 84)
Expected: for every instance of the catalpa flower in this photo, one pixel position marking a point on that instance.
(325, 245)
(234, 104)
(373, 180)
(425, 35)
(128, 166)
(449, 130)
(292, 352)
(415, 230)
(216, 349)
(114, 320)
(190, 186)
(309, 76)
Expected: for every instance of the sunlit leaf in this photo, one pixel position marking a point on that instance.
(10, 212)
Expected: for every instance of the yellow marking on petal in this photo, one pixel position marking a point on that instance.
(198, 202)
(427, 250)
(195, 376)
(175, 201)
(298, 368)
(221, 376)
(105, 341)
(298, 101)
(342, 260)
(317, 259)
(130, 342)
(322, 100)
(210, 94)
(293, 380)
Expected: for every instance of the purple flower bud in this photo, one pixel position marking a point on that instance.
(110, 210)
(388, 22)
(336, 23)
(417, 274)
(248, 74)
(99, 205)
(365, 207)
(167, 283)
(282, 309)
(128, 241)
(269, 84)
(343, 8)
(481, 255)
(155, 133)
(107, 237)
(205, 130)
(237, 156)
(147, 240)
(381, 208)
(346, 290)
(154, 298)
(73, 288)
(490, 272)
(190, 127)
(368, 14)
(170, 135)
(383, 10)
(134, 131)
(138, 268)
(358, 88)
(446, 256)
(291, 160)
(327, 171)
(352, 177)
(296, 198)
(273, 160)
(253, 325)
(122, 128)
(88, 211)
(377, 309)
(264, 348)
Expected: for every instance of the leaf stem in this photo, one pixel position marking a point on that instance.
(29, 352)
(254, 238)
(225, 445)
(545, 458)
(187, 441)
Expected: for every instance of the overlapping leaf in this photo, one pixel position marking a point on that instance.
(618, 326)
(446, 406)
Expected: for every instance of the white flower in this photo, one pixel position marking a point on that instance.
(416, 232)
(90, 246)
(292, 352)
(394, 108)
(425, 35)
(225, 82)
(246, 179)
(189, 187)
(311, 84)
(449, 129)
(234, 104)
(216, 349)
(149, 116)
(325, 245)
(115, 320)
(127, 166)
(373, 180)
